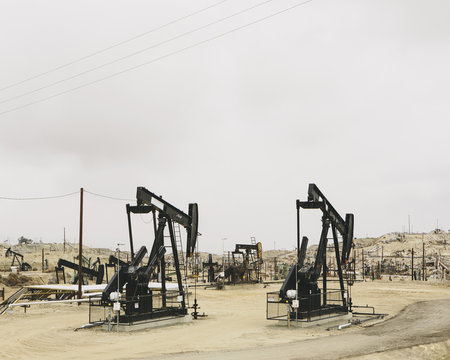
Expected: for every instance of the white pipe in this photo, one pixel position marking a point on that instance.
(340, 327)
(48, 302)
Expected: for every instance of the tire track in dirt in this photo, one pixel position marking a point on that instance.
(424, 322)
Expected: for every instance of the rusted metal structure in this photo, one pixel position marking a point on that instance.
(244, 265)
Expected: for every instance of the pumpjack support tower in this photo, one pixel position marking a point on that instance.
(300, 290)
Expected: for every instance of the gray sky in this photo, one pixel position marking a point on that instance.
(351, 95)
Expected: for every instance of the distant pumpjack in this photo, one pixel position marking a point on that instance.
(18, 258)
(211, 265)
(98, 273)
(246, 263)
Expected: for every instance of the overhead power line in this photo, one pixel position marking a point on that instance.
(108, 197)
(135, 53)
(113, 46)
(64, 195)
(39, 198)
(159, 58)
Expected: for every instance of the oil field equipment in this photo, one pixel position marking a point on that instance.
(17, 260)
(300, 297)
(244, 266)
(97, 271)
(112, 263)
(145, 300)
(211, 265)
(24, 241)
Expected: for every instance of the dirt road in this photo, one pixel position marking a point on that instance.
(424, 322)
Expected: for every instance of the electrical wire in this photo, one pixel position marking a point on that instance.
(107, 197)
(158, 58)
(113, 46)
(135, 53)
(39, 198)
(119, 199)
(65, 195)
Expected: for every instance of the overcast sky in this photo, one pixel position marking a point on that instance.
(350, 95)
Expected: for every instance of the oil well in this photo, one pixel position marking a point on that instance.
(94, 271)
(148, 295)
(17, 260)
(243, 265)
(305, 294)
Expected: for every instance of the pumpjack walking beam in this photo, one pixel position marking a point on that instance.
(188, 221)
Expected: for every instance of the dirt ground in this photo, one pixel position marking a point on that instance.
(236, 321)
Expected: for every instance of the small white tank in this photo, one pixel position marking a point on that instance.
(291, 294)
(114, 296)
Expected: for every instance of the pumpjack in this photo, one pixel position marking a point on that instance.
(18, 258)
(97, 272)
(142, 301)
(210, 264)
(245, 265)
(302, 282)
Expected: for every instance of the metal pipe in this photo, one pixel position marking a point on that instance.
(340, 327)
(130, 232)
(49, 302)
(298, 230)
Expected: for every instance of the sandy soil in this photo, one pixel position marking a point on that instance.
(236, 320)
(422, 322)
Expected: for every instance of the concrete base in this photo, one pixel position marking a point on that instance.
(328, 322)
(148, 324)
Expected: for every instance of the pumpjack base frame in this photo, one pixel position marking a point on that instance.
(147, 324)
(337, 319)
(158, 314)
(327, 311)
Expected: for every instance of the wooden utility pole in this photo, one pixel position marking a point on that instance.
(423, 259)
(412, 264)
(363, 267)
(80, 248)
(64, 240)
(275, 268)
